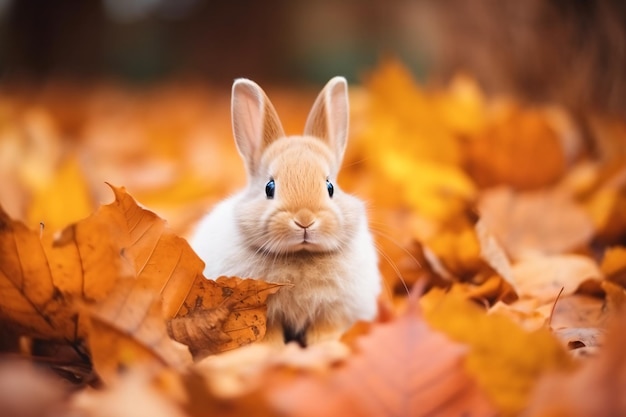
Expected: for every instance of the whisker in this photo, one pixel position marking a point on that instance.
(360, 161)
(395, 268)
(397, 244)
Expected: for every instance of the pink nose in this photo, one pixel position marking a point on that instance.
(304, 224)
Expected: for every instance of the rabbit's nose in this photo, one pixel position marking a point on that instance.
(304, 219)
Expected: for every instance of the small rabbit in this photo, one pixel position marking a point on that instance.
(292, 223)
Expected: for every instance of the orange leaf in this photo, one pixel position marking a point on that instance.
(128, 329)
(402, 368)
(40, 279)
(161, 260)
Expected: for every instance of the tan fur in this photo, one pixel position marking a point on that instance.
(320, 246)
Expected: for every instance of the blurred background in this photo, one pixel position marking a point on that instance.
(136, 93)
(570, 51)
(451, 101)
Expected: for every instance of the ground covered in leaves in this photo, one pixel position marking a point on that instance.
(501, 229)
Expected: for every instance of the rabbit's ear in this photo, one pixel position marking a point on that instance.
(255, 122)
(328, 119)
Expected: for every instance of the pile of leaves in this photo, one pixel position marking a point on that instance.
(500, 227)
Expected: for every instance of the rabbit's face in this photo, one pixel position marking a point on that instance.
(296, 205)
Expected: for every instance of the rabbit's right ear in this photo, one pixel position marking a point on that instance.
(255, 122)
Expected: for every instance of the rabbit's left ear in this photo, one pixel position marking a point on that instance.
(328, 118)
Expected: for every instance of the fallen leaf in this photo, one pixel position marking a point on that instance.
(40, 278)
(506, 150)
(492, 253)
(581, 337)
(127, 330)
(595, 389)
(505, 360)
(401, 368)
(535, 223)
(65, 198)
(161, 260)
(543, 277)
(607, 203)
(613, 265)
(576, 311)
(238, 373)
(223, 314)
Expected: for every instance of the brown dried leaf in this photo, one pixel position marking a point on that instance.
(222, 314)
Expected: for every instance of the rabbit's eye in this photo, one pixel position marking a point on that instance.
(269, 189)
(331, 189)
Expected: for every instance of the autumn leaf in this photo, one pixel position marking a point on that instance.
(400, 368)
(64, 198)
(42, 278)
(506, 150)
(127, 329)
(613, 265)
(418, 156)
(505, 360)
(126, 312)
(223, 314)
(592, 390)
(544, 277)
(535, 223)
(161, 260)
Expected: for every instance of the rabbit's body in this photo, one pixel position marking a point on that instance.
(292, 225)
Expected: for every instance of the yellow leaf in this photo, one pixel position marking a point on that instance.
(505, 360)
(432, 189)
(63, 199)
(613, 264)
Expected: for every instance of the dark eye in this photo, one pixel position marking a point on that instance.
(331, 189)
(269, 189)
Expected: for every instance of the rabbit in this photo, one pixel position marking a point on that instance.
(292, 224)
